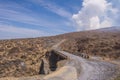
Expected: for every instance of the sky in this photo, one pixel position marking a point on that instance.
(37, 18)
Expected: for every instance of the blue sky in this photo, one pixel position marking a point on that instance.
(36, 18)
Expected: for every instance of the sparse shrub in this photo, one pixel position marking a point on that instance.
(14, 50)
(106, 50)
(1, 50)
(117, 47)
(23, 57)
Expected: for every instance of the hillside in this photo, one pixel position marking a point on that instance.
(102, 42)
(22, 57)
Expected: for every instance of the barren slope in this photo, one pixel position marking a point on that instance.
(21, 57)
(102, 42)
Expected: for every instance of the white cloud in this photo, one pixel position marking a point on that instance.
(23, 14)
(13, 15)
(18, 32)
(94, 21)
(95, 14)
(53, 8)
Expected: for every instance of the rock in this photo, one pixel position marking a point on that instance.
(44, 67)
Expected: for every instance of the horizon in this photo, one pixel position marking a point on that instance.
(111, 28)
(39, 18)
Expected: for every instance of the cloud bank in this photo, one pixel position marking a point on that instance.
(95, 14)
(9, 31)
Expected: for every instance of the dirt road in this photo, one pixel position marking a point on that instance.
(91, 70)
(83, 69)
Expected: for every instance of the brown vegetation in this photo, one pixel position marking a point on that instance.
(104, 42)
(22, 57)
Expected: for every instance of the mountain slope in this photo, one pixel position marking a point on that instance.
(102, 42)
(22, 57)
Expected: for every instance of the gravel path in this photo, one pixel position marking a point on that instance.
(85, 69)
(91, 70)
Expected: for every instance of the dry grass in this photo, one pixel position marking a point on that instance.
(105, 43)
(21, 57)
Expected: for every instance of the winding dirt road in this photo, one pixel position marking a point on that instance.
(78, 68)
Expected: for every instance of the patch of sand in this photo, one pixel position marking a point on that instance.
(64, 73)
